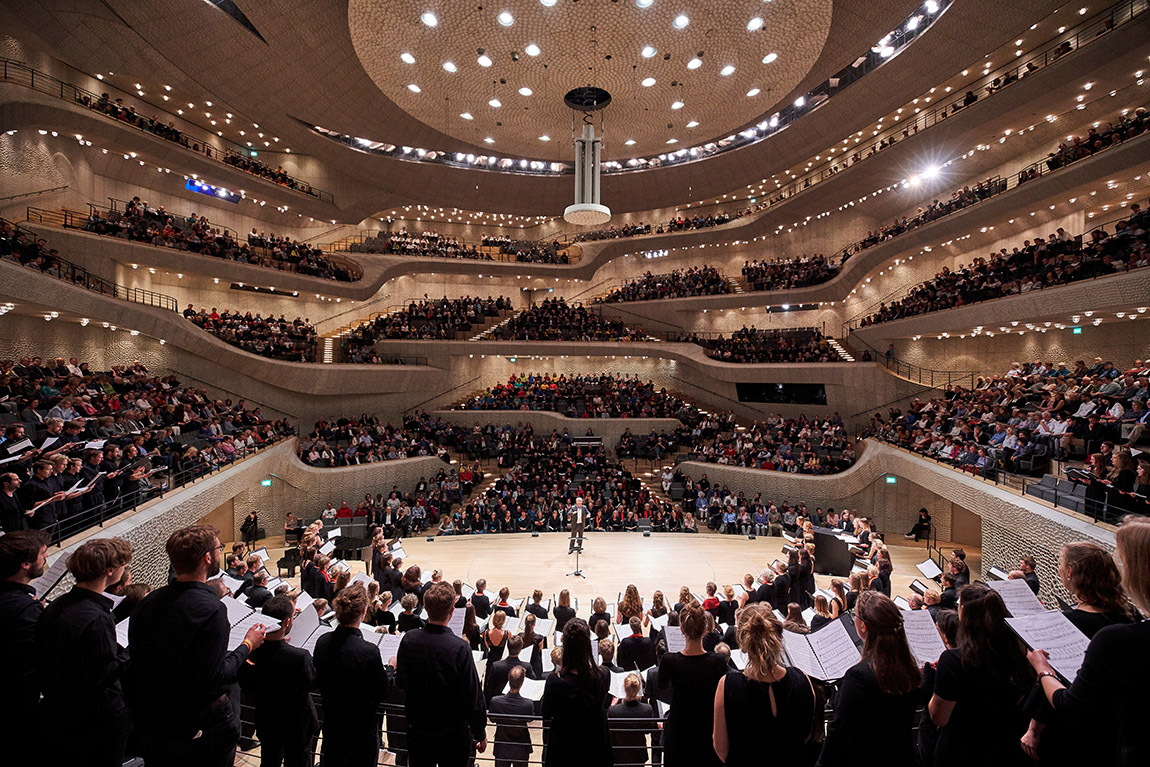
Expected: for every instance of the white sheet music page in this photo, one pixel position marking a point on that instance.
(1052, 631)
(835, 649)
(925, 642)
(302, 627)
(122, 632)
(237, 610)
(389, 646)
(660, 622)
(309, 643)
(1019, 599)
(532, 689)
(929, 569)
(676, 642)
(456, 622)
(55, 572)
(801, 655)
(617, 680)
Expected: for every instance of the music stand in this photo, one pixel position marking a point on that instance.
(575, 542)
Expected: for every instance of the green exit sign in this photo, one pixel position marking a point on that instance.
(890, 480)
(266, 482)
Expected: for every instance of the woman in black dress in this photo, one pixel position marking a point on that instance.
(765, 709)
(691, 676)
(572, 705)
(1110, 688)
(563, 611)
(879, 695)
(986, 673)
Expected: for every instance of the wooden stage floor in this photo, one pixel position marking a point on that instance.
(611, 561)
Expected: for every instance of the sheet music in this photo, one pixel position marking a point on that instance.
(53, 575)
(456, 622)
(739, 658)
(389, 646)
(660, 622)
(397, 552)
(468, 590)
(998, 574)
(363, 578)
(369, 634)
(532, 689)
(425, 576)
(334, 533)
(122, 632)
(233, 584)
(511, 625)
(338, 565)
(676, 642)
(19, 447)
(1052, 631)
(48, 442)
(925, 643)
(901, 603)
(548, 665)
(304, 625)
(801, 655)
(262, 553)
(929, 569)
(237, 611)
(622, 630)
(395, 608)
(1019, 599)
(919, 587)
(544, 626)
(303, 602)
(619, 677)
(663, 708)
(808, 615)
(96, 444)
(309, 643)
(835, 649)
(327, 548)
(236, 635)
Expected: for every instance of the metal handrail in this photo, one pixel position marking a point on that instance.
(81, 277)
(21, 74)
(33, 194)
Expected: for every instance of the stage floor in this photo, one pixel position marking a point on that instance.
(611, 561)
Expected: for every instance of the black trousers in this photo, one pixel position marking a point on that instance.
(292, 748)
(446, 752)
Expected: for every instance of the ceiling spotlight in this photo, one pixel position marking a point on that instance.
(676, 105)
(429, 19)
(414, 88)
(753, 92)
(525, 91)
(648, 82)
(630, 142)
(505, 19)
(930, 172)
(680, 21)
(728, 70)
(693, 124)
(694, 63)
(755, 24)
(644, 3)
(484, 60)
(800, 101)
(548, 3)
(466, 116)
(544, 137)
(648, 51)
(450, 66)
(770, 57)
(489, 140)
(495, 103)
(532, 49)
(407, 58)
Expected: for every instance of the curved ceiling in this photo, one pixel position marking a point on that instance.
(688, 71)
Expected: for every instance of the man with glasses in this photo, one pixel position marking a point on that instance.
(182, 668)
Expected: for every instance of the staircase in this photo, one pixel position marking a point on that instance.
(330, 341)
(736, 286)
(843, 352)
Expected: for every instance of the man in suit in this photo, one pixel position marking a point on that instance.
(279, 679)
(629, 738)
(1027, 565)
(352, 681)
(578, 519)
(446, 712)
(258, 593)
(499, 672)
(512, 738)
(636, 652)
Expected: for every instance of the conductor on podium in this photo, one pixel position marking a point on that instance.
(577, 517)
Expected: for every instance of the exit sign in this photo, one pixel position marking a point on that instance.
(890, 480)
(266, 482)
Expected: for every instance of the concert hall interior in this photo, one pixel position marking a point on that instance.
(575, 382)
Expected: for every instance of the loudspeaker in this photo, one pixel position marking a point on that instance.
(751, 537)
(646, 533)
(430, 539)
(534, 534)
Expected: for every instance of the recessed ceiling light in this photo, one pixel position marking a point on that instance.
(525, 91)
(754, 24)
(414, 88)
(495, 103)
(644, 3)
(753, 92)
(680, 21)
(630, 142)
(649, 51)
(450, 66)
(694, 63)
(672, 141)
(407, 58)
(727, 70)
(484, 60)
(429, 19)
(489, 140)
(545, 137)
(466, 116)
(505, 18)
(693, 124)
(676, 105)
(532, 49)
(548, 3)
(770, 57)
(800, 101)
(648, 82)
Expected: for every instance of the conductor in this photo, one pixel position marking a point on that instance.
(577, 517)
